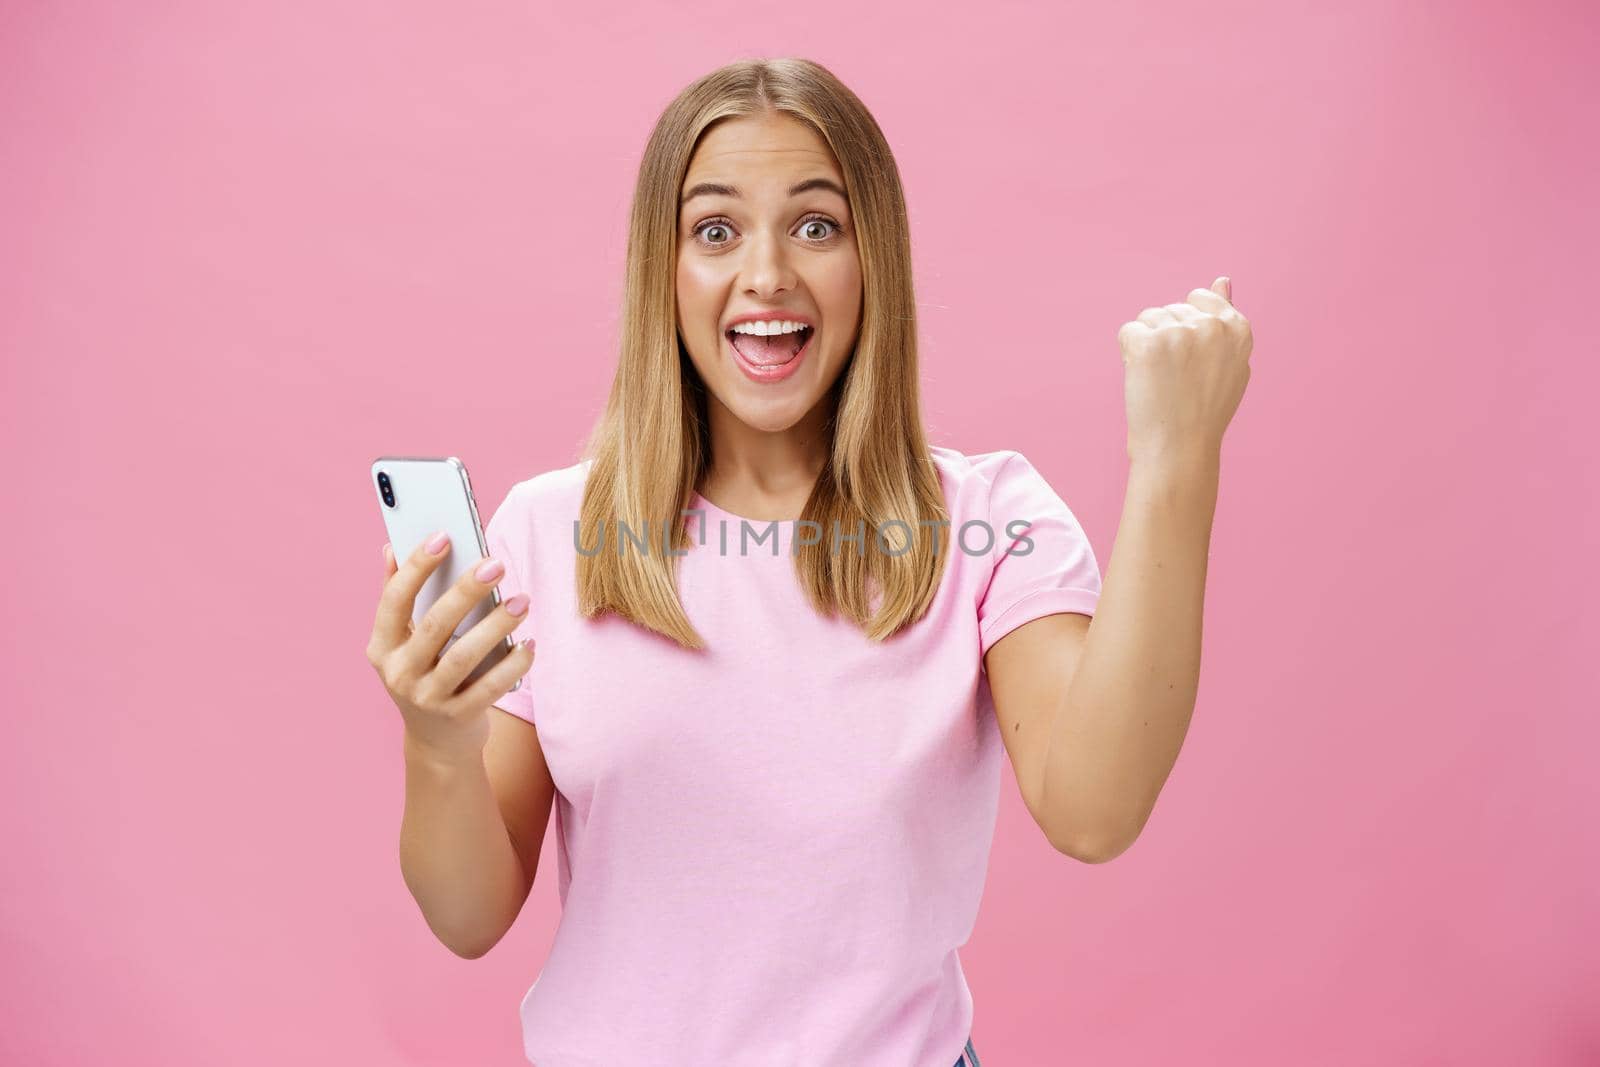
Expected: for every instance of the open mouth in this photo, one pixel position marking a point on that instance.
(772, 351)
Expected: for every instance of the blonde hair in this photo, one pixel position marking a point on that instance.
(650, 447)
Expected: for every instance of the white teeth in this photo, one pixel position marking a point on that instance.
(768, 328)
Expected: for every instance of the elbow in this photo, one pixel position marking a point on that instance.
(471, 950)
(1093, 847)
(469, 943)
(1098, 850)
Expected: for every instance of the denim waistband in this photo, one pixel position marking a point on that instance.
(969, 1057)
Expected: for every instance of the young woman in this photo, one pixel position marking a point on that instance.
(782, 639)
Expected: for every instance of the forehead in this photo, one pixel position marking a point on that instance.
(754, 146)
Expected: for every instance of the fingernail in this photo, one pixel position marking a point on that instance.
(526, 642)
(517, 604)
(386, 551)
(489, 570)
(437, 542)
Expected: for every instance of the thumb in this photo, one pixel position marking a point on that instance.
(1223, 287)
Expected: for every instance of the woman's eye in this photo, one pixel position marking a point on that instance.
(707, 227)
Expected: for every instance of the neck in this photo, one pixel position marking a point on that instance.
(757, 471)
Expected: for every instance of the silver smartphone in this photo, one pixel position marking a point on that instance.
(423, 494)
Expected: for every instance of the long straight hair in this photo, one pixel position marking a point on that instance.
(650, 447)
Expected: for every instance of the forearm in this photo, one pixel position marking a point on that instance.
(1116, 732)
(455, 853)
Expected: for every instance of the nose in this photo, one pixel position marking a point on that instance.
(766, 270)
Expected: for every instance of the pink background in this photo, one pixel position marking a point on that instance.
(251, 246)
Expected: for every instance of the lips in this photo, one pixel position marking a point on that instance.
(769, 351)
(764, 361)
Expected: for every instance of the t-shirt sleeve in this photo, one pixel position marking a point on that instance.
(508, 536)
(1043, 561)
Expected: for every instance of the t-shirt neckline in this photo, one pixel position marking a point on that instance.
(699, 501)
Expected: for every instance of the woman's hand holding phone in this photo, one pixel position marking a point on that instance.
(420, 681)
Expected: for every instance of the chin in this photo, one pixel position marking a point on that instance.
(771, 417)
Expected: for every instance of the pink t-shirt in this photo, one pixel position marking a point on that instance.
(770, 851)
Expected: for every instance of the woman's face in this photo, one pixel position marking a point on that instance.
(753, 245)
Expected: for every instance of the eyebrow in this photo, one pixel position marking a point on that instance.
(718, 189)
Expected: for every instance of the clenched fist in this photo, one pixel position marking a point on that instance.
(1186, 368)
